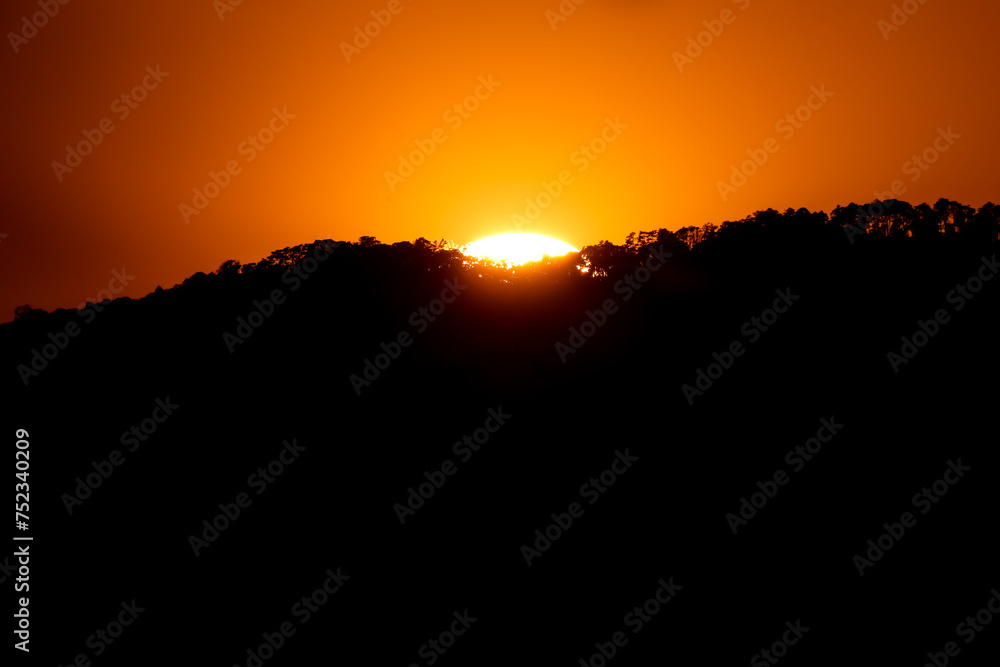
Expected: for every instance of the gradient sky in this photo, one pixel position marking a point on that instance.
(323, 174)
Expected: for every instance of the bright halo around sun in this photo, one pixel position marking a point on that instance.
(516, 248)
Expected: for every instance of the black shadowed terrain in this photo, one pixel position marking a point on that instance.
(330, 387)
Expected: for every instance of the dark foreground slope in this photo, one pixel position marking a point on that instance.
(463, 553)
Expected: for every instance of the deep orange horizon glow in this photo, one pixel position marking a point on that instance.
(460, 121)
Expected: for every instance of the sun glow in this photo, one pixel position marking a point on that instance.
(516, 248)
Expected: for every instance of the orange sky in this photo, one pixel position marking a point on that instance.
(323, 175)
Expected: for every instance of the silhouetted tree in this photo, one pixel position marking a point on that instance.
(925, 223)
(985, 224)
(26, 312)
(606, 258)
(670, 242)
(229, 267)
(898, 218)
(953, 216)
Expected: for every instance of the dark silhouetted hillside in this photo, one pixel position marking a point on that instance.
(843, 289)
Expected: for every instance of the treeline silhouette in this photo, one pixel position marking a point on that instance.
(863, 278)
(889, 219)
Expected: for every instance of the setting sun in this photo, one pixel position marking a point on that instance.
(516, 248)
